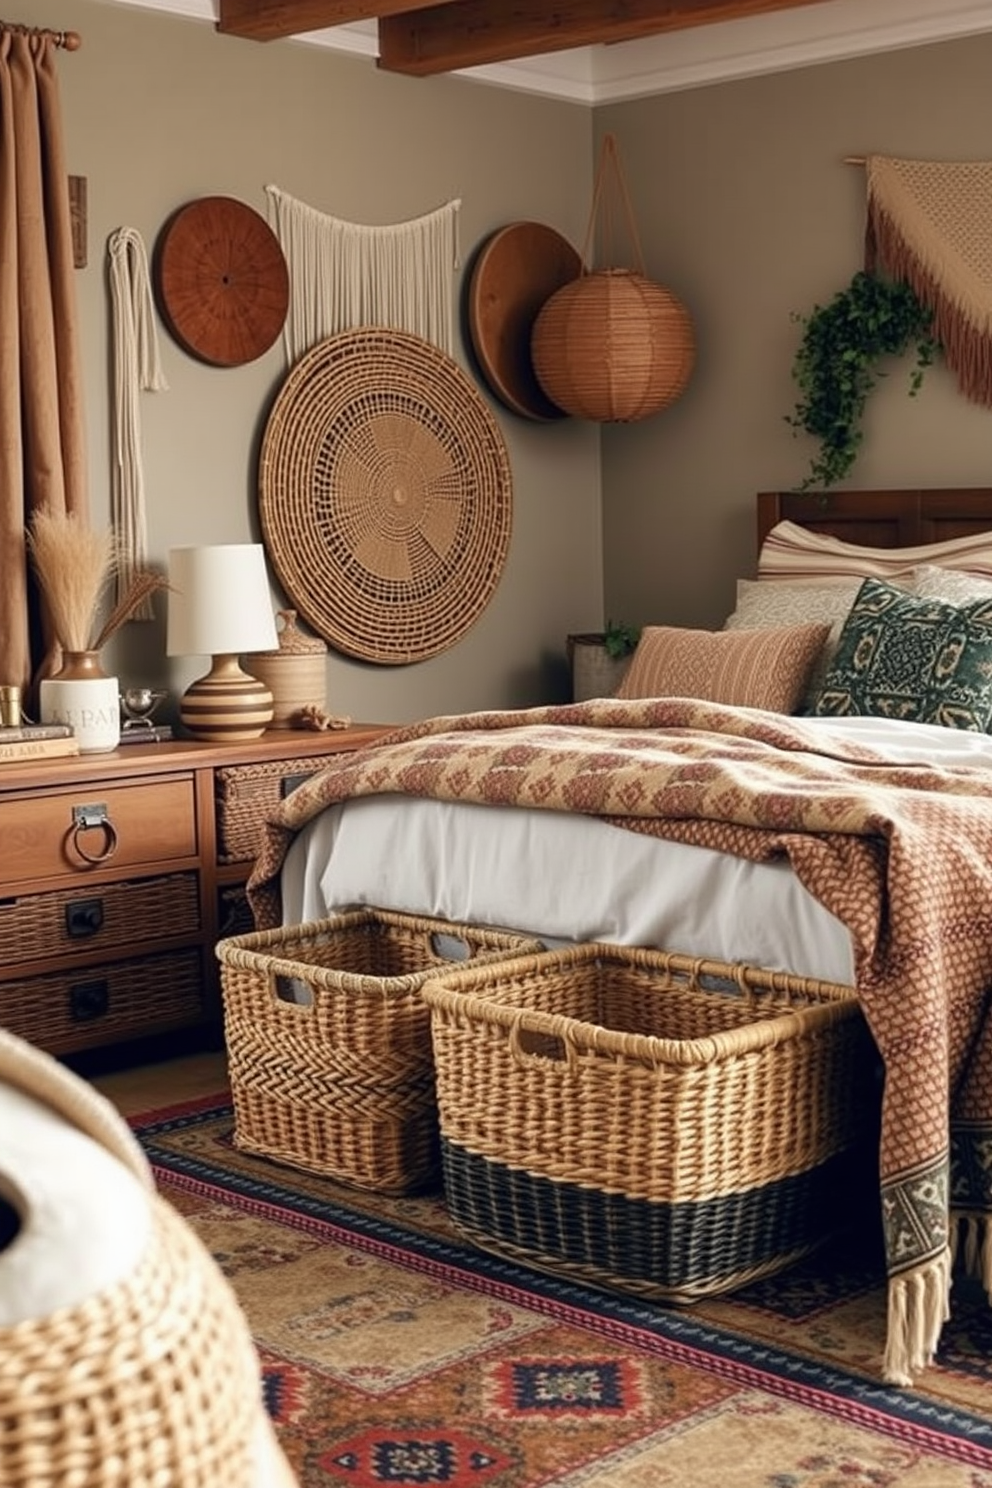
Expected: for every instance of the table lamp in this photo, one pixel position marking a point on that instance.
(220, 606)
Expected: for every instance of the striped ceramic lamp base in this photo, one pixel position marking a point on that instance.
(227, 705)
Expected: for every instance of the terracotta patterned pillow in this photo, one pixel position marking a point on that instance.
(762, 668)
(796, 604)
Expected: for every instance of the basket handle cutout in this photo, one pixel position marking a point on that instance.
(450, 947)
(292, 989)
(536, 1045)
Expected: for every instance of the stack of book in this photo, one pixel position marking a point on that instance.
(28, 741)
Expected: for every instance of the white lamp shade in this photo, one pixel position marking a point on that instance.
(219, 601)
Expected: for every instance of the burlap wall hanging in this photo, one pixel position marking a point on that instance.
(929, 224)
(385, 495)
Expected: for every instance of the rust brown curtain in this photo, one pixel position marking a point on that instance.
(42, 429)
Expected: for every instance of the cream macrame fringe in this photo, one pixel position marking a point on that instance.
(136, 366)
(345, 274)
(971, 1237)
(918, 1308)
(930, 225)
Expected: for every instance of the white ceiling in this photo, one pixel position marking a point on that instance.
(689, 58)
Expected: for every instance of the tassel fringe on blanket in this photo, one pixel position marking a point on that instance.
(918, 1308)
(929, 224)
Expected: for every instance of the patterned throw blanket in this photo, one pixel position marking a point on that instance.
(901, 854)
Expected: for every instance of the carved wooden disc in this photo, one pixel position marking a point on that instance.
(517, 271)
(222, 281)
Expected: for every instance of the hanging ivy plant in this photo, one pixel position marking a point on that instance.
(836, 365)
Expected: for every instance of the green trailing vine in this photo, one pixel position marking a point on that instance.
(836, 365)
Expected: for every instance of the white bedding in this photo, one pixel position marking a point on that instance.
(564, 877)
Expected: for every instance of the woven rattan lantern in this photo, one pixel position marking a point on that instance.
(612, 346)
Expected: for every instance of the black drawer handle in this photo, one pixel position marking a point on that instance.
(88, 1001)
(84, 819)
(83, 917)
(288, 783)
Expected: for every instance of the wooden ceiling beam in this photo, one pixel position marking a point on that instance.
(272, 20)
(471, 33)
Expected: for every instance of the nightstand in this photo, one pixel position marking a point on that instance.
(118, 874)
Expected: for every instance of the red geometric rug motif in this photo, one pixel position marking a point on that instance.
(395, 1353)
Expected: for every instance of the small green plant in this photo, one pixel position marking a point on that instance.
(620, 639)
(836, 365)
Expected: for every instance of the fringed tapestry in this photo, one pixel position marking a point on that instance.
(343, 275)
(136, 366)
(930, 224)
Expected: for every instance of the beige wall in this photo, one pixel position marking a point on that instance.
(749, 214)
(160, 110)
(744, 208)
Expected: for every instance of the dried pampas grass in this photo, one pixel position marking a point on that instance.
(74, 566)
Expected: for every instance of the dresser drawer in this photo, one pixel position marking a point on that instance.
(99, 917)
(245, 796)
(48, 836)
(86, 1008)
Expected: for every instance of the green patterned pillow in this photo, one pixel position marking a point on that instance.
(903, 656)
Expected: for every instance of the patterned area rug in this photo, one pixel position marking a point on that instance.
(396, 1353)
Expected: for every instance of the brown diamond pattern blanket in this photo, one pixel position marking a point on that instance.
(901, 854)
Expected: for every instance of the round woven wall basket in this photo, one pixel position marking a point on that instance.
(385, 495)
(613, 347)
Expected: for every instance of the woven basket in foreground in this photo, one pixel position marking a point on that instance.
(328, 1041)
(148, 1379)
(648, 1122)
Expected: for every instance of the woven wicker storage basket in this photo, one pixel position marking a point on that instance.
(245, 793)
(328, 1041)
(149, 1379)
(646, 1122)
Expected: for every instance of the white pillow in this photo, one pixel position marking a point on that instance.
(950, 584)
(791, 552)
(761, 605)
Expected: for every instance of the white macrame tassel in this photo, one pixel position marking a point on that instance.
(136, 366)
(918, 1307)
(971, 1235)
(346, 274)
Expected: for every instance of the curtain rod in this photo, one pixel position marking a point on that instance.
(70, 40)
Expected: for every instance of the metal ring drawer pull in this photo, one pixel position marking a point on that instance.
(83, 819)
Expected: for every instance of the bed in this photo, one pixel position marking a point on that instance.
(853, 847)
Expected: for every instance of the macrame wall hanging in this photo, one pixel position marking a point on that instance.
(136, 366)
(345, 274)
(929, 223)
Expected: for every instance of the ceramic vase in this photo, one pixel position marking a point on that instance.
(82, 695)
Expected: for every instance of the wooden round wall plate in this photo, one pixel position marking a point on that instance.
(516, 272)
(221, 280)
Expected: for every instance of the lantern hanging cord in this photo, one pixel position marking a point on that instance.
(609, 160)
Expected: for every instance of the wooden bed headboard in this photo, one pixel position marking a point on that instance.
(881, 519)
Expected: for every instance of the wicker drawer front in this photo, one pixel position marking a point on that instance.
(104, 916)
(44, 836)
(90, 1007)
(245, 794)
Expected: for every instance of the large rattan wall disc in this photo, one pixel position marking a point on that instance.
(385, 495)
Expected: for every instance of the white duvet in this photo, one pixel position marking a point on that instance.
(563, 877)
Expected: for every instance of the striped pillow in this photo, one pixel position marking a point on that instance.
(763, 668)
(790, 552)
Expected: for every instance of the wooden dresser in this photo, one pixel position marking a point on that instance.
(118, 874)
